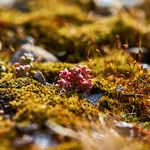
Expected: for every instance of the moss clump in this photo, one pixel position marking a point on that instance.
(31, 102)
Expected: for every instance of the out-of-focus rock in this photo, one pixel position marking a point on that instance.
(23, 141)
(39, 54)
(21, 5)
(6, 3)
(131, 3)
(94, 97)
(16, 4)
(106, 7)
(124, 128)
(118, 3)
(44, 140)
(110, 7)
(140, 54)
(146, 66)
(28, 129)
(40, 77)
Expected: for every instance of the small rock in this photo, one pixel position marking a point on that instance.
(104, 7)
(146, 66)
(23, 141)
(61, 54)
(6, 3)
(40, 77)
(94, 97)
(7, 116)
(119, 88)
(110, 7)
(3, 102)
(21, 6)
(44, 140)
(140, 54)
(28, 129)
(125, 128)
(131, 3)
(118, 3)
(136, 50)
(107, 3)
(39, 54)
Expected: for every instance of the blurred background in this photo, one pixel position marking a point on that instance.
(72, 30)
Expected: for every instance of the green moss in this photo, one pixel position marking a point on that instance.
(64, 26)
(31, 102)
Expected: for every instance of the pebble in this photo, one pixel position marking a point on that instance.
(21, 6)
(107, 3)
(146, 66)
(118, 3)
(94, 97)
(40, 77)
(28, 129)
(125, 128)
(111, 7)
(23, 141)
(145, 54)
(44, 140)
(6, 3)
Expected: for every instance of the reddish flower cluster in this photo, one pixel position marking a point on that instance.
(23, 67)
(77, 78)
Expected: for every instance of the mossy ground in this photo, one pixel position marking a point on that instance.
(28, 101)
(64, 26)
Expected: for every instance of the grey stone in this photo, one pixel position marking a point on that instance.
(28, 129)
(44, 140)
(125, 128)
(118, 3)
(39, 54)
(111, 7)
(146, 66)
(94, 97)
(21, 5)
(142, 52)
(23, 141)
(40, 77)
(6, 3)
(137, 49)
